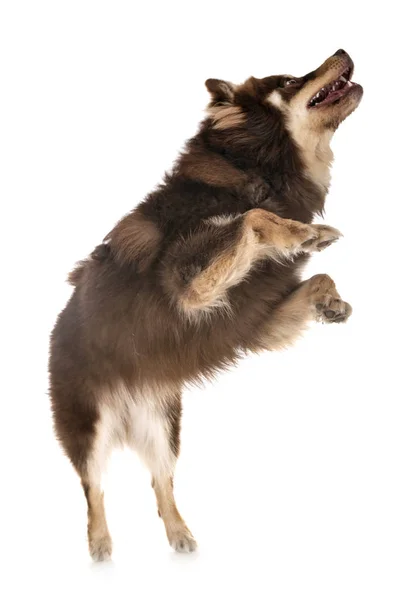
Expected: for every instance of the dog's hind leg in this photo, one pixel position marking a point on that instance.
(155, 435)
(315, 299)
(99, 540)
(85, 433)
(200, 269)
(179, 536)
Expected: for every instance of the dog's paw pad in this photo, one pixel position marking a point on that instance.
(333, 310)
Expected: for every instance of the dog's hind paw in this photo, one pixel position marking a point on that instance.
(182, 541)
(101, 548)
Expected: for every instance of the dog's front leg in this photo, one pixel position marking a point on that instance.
(199, 270)
(315, 299)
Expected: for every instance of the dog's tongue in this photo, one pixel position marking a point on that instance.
(334, 94)
(330, 93)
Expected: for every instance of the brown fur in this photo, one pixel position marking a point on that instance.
(206, 269)
(135, 241)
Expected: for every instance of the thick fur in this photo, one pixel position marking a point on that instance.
(206, 269)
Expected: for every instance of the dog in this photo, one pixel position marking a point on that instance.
(203, 271)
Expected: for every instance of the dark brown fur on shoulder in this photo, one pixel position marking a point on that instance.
(206, 269)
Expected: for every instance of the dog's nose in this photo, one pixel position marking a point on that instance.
(340, 52)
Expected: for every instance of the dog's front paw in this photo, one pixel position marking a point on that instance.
(320, 237)
(326, 301)
(333, 310)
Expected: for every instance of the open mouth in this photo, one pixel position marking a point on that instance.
(334, 91)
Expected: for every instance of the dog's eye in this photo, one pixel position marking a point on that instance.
(290, 82)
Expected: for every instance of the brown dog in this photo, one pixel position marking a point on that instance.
(201, 272)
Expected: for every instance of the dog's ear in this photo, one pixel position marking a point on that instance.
(222, 92)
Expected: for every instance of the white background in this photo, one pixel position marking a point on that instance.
(298, 470)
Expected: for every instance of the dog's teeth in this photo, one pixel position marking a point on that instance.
(342, 78)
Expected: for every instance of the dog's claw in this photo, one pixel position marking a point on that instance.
(321, 237)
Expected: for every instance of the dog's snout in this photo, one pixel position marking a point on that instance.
(340, 52)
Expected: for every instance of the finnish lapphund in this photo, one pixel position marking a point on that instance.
(203, 271)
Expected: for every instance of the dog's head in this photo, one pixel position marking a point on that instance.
(309, 107)
(321, 99)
